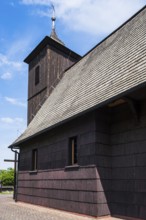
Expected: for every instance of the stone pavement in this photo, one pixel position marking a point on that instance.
(9, 210)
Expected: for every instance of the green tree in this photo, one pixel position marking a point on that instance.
(7, 177)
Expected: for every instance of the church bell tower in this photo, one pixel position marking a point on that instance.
(47, 64)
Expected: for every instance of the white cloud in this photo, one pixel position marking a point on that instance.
(11, 62)
(14, 101)
(10, 129)
(35, 2)
(20, 46)
(9, 67)
(9, 120)
(4, 60)
(91, 16)
(6, 76)
(13, 126)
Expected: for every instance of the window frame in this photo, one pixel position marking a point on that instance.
(37, 75)
(73, 151)
(34, 159)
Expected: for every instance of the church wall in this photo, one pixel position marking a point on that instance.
(111, 144)
(52, 64)
(57, 63)
(37, 93)
(103, 153)
(75, 188)
(53, 146)
(128, 141)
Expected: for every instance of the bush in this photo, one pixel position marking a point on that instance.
(7, 177)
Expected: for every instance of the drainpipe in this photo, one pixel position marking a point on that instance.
(16, 161)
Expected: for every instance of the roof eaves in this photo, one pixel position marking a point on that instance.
(49, 41)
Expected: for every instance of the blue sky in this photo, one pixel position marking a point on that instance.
(80, 24)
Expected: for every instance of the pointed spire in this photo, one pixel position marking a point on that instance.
(53, 34)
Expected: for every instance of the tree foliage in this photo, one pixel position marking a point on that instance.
(7, 177)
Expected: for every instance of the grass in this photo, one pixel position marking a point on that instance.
(6, 192)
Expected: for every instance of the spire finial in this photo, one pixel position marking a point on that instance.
(53, 33)
(53, 17)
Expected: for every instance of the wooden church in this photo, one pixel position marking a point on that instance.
(84, 150)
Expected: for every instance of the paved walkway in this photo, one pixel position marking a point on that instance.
(9, 210)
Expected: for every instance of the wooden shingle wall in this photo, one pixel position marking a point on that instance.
(72, 190)
(110, 178)
(103, 153)
(128, 140)
(52, 64)
(76, 189)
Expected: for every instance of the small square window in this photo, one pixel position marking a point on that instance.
(73, 151)
(37, 75)
(34, 159)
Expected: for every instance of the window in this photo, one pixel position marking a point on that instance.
(34, 159)
(37, 75)
(73, 151)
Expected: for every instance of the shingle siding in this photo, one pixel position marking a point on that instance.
(60, 189)
(78, 188)
(128, 142)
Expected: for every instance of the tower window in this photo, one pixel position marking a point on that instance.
(34, 159)
(37, 75)
(73, 151)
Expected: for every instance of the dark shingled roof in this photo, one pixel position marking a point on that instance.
(50, 41)
(114, 66)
